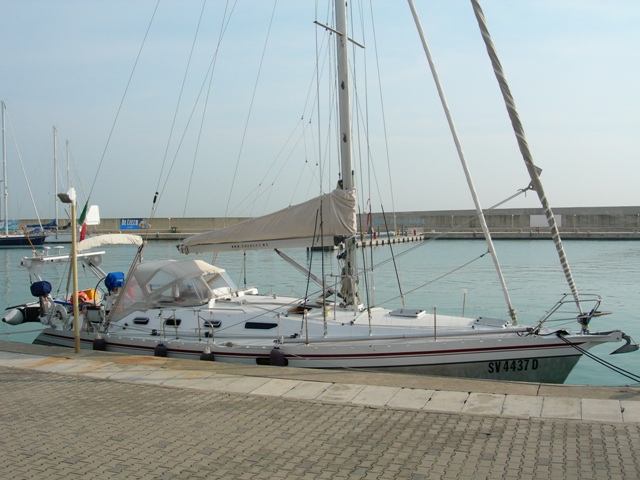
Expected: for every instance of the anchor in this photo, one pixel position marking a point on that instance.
(627, 347)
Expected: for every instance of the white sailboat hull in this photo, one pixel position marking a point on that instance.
(395, 345)
(545, 361)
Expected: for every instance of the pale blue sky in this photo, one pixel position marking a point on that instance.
(573, 67)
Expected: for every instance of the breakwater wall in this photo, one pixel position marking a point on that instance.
(585, 223)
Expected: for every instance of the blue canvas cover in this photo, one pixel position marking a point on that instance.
(40, 289)
(114, 280)
(52, 224)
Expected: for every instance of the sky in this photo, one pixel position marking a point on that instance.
(137, 110)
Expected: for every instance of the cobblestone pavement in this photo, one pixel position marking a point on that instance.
(60, 426)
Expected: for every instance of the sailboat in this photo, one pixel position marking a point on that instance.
(12, 239)
(192, 309)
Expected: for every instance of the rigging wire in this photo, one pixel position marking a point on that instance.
(223, 29)
(317, 99)
(365, 276)
(24, 172)
(191, 115)
(184, 81)
(76, 171)
(383, 116)
(611, 366)
(434, 238)
(368, 279)
(246, 126)
(315, 229)
(113, 126)
(440, 277)
(301, 137)
(246, 201)
(395, 266)
(444, 233)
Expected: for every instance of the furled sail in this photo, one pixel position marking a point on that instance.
(295, 226)
(109, 239)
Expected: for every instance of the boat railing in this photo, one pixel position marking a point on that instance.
(171, 321)
(208, 324)
(409, 337)
(556, 313)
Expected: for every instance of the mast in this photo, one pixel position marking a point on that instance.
(344, 101)
(67, 161)
(534, 172)
(55, 173)
(4, 174)
(346, 162)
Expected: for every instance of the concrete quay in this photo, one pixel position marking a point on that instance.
(102, 415)
(574, 223)
(449, 235)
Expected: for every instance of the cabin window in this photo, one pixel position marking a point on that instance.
(141, 321)
(260, 325)
(182, 292)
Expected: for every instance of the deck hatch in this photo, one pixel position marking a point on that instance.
(407, 312)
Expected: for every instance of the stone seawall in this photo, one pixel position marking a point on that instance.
(587, 223)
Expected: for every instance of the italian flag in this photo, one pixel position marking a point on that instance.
(81, 221)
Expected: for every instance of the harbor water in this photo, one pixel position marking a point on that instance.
(451, 276)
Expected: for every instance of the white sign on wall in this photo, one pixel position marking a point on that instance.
(539, 221)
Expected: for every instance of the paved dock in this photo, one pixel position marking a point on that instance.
(101, 415)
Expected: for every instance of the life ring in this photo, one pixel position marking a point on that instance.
(82, 298)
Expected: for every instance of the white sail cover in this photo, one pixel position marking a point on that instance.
(295, 226)
(110, 239)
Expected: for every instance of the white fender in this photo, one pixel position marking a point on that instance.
(13, 317)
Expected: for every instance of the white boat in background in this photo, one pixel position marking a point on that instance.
(192, 309)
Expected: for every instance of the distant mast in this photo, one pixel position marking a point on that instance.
(55, 173)
(4, 174)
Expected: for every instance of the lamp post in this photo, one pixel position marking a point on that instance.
(70, 197)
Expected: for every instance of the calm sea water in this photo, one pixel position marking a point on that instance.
(429, 276)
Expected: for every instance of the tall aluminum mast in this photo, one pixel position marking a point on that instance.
(344, 106)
